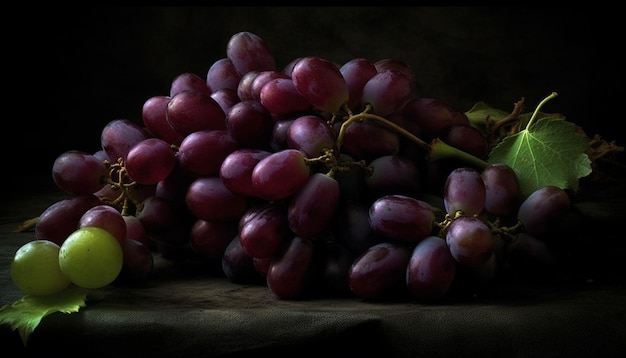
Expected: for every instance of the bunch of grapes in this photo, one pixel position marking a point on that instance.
(314, 180)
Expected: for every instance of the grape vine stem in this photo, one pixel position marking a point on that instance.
(443, 150)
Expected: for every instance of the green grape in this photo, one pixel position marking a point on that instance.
(91, 257)
(35, 268)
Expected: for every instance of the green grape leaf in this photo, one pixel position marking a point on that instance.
(479, 113)
(26, 313)
(551, 152)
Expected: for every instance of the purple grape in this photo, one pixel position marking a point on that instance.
(222, 75)
(432, 116)
(244, 89)
(203, 152)
(312, 208)
(502, 190)
(238, 266)
(291, 273)
(153, 115)
(105, 217)
(61, 218)
(79, 173)
(468, 139)
(281, 97)
(263, 78)
(431, 269)
(188, 82)
(209, 199)
(393, 174)
(321, 83)
(311, 135)
(280, 133)
(543, 208)
(387, 92)
(249, 52)
(396, 65)
(280, 174)
(250, 124)
(464, 191)
(191, 111)
(119, 136)
(380, 271)
(368, 140)
(401, 218)
(357, 72)
(226, 98)
(265, 230)
(470, 241)
(236, 170)
(150, 161)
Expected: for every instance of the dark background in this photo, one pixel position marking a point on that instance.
(74, 71)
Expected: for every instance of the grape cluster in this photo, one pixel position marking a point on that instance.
(314, 180)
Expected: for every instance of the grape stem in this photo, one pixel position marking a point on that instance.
(443, 150)
(366, 115)
(536, 112)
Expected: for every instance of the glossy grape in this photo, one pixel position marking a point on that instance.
(105, 217)
(154, 117)
(91, 257)
(402, 218)
(387, 92)
(79, 173)
(188, 81)
(502, 190)
(191, 111)
(468, 139)
(431, 269)
(280, 174)
(311, 135)
(150, 161)
(470, 241)
(119, 136)
(61, 218)
(542, 208)
(236, 170)
(281, 97)
(35, 268)
(312, 208)
(222, 75)
(367, 140)
(290, 274)
(321, 83)
(209, 199)
(238, 266)
(249, 52)
(202, 152)
(464, 191)
(264, 232)
(357, 72)
(250, 124)
(380, 271)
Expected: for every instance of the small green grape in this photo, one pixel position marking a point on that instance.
(35, 268)
(91, 257)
